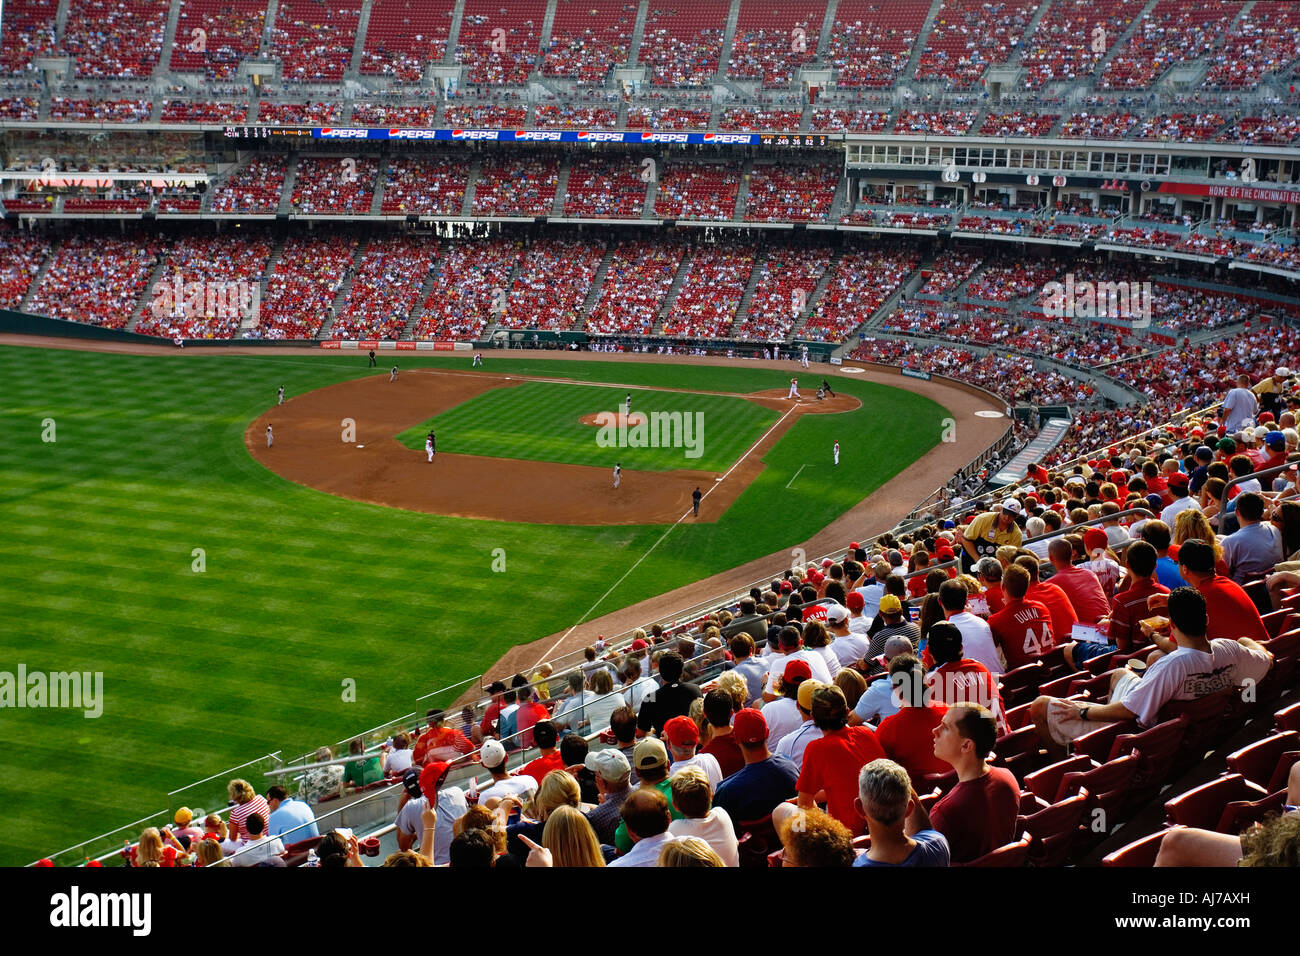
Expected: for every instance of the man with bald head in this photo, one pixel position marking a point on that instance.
(1081, 585)
(880, 701)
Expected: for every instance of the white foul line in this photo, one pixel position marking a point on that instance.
(796, 475)
(661, 538)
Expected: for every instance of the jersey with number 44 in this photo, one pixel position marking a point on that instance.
(1023, 629)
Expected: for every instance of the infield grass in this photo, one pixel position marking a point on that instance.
(302, 590)
(542, 421)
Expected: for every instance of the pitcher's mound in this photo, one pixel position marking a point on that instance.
(617, 419)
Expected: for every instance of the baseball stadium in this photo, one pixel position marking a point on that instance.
(577, 433)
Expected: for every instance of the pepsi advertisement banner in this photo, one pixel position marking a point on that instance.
(536, 136)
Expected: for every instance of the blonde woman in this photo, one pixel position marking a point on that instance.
(688, 851)
(733, 684)
(570, 839)
(149, 851)
(209, 854)
(247, 801)
(1191, 525)
(558, 789)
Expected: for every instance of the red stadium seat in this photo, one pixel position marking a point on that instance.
(1202, 806)
(1140, 853)
(1055, 830)
(1012, 855)
(1262, 761)
(1288, 718)
(1240, 815)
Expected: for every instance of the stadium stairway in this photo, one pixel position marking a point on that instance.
(593, 293)
(1015, 59)
(634, 47)
(561, 187)
(272, 263)
(340, 297)
(1118, 45)
(146, 294)
(417, 310)
(824, 39)
(38, 278)
(272, 9)
(548, 25)
(742, 193)
(381, 178)
(165, 56)
(666, 309)
(290, 180)
(728, 41)
(471, 187)
(742, 309)
(651, 193)
(453, 36)
(61, 20)
(811, 306)
(359, 44)
(922, 39)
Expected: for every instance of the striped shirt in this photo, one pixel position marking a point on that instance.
(241, 812)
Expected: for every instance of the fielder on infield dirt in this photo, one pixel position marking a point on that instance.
(393, 376)
(618, 473)
(269, 437)
(430, 445)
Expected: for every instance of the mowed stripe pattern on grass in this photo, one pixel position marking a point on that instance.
(541, 421)
(301, 589)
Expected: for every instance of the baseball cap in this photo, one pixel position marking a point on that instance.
(895, 557)
(827, 562)
(1196, 556)
(1204, 452)
(856, 602)
(681, 732)
(649, 753)
(1155, 502)
(1274, 438)
(890, 604)
(183, 817)
(1178, 480)
(786, 586)
(748, 727)
(806, 692)
(837, 613)
(639, 645)
(1095, 539)
(492, 754)
(1264, 417)
(1227, 445)
(1012, 505)
(411, 781)
(854, 545)
(610, 764)
(949, 523)
(796, 670)
(431, 777)
(1282, 372)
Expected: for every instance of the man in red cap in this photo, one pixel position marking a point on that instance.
(683, 737)
(766, 780)
(782, 714)
(425, 788)
(1178, 490)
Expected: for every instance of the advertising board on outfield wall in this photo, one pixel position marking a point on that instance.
(390, 345)
(537, 136)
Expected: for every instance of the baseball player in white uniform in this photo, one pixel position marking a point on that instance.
(837, 453)
(803, 355)
(393, 376)
(281, 401)
(269, 437)
(429, 444)
(618, 473)
(478, 359)
(628, 412)
(794, 388)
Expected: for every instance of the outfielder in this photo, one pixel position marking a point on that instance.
(373, 363)
(281, 401)
(269, 437)
(794, 388)
(618, 472)
(478, 360)
(393, 376)
(430, 445)
(628, 412)
(837, 453)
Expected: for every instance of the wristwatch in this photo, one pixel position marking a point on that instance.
(1083, 714)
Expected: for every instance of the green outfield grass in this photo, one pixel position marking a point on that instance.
(303, 590)
(542, 421)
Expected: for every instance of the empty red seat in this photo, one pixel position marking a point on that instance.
(1054, 829)
(1203, 806)
(1013, 854)
(1139, 853)
(1262, 762)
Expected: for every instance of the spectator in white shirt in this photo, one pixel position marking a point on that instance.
(635, 686)
(683, 736)
(400, 757)
(976, 637)
(692, 796)
(493, 756)
(258, 847)
(793, 744)
(847, 646)
(859, 623)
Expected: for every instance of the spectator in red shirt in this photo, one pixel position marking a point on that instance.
(908, 736)
(1230, 611)
(1023, 628)
(1081, 585)
(722, 742)
(979, 814)
(487, 726)
(1122, 631)
(831, 763)
(957, 679)
(545, 736)
(439, 742)
(529, 714)
(989, 573)
(1052, 597)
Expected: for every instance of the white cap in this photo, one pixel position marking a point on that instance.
(1012, 505)
(492, 754)
(1282, 372)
